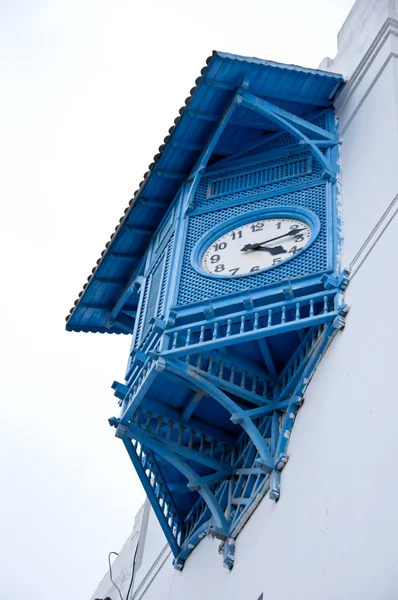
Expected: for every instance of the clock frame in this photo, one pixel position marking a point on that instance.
(306, 216)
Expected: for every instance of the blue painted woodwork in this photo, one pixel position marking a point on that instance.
(302, 92)
(218, 367)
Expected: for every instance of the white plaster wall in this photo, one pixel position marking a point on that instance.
(122, 565)
(334, 532)
(358, 33)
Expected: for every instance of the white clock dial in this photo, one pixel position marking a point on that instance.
(255, 246)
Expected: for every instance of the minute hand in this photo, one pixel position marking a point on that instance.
(278, 237)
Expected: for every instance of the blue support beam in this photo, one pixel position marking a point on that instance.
(151, 495)
(195, 482)
(297, 127)
(154, 441)
(133, 286)
(229, 405)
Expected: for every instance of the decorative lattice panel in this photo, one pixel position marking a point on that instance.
(281, 171)
(195, 287)
(141, 320)
(154, 292)
(167, 263)
(272, 175)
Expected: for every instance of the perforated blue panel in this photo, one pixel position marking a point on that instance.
(267, 176)
(160, 307)
(154, 292)
(195, 287)
(272, 173)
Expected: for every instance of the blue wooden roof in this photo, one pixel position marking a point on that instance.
(296, 89)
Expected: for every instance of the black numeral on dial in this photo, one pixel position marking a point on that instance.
(257, 226)
(220, 246)
(219, 268)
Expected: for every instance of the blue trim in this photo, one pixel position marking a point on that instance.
(313, 183)
(335, 202)
(302, 214)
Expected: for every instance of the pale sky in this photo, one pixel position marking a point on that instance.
(89, 89)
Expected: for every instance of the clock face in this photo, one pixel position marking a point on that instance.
(256, 246)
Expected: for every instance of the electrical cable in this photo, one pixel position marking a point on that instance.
(110, 573)
(133, 570)
(372, 235)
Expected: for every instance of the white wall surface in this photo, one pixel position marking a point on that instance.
(334, 532)
(359, 32)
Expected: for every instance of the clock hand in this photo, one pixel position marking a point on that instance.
(273, 250)
(278, 237)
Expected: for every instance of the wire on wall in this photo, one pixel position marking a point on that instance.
(373, 237)
(110, 573)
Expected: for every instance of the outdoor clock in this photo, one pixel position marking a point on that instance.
(255, 244)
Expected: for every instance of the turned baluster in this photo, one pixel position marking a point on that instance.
(191, 438)
(229, 326)
(180, 434)
(311, 307)
(283, 317)
(256, 321)
(232, 374)
(171, 425)
(298, 306)
(175, 340)
(254, 383)
(243, 379)
(160, 421)
(212, 448)
(221, 370)
(215, 331)
(148, 419)
(242, 325)
(269, 323)
(137, 416)
(210, 366)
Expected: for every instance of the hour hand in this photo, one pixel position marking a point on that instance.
(274, 250)
(250, 247)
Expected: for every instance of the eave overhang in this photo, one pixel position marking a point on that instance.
(298, 90)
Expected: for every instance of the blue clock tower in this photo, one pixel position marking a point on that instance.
(225, 272)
